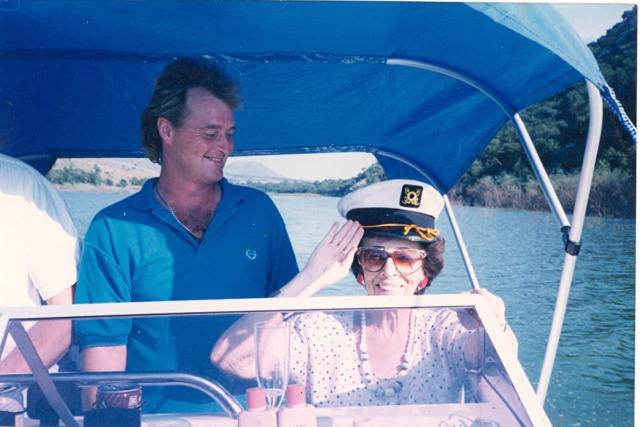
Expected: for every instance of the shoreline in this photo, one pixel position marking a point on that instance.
(96, 188)
(130, 189)
(535, 202)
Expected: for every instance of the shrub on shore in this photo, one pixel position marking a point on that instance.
(612, 193)
(71, 175)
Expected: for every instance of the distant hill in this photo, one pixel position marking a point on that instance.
(246, 171)
(326, 187)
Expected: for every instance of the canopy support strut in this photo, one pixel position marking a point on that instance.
(540, 172)
(462, 247)
(575, 233)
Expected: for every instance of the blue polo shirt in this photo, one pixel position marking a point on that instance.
(135, 250)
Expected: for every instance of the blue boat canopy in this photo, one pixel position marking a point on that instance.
(315, 76)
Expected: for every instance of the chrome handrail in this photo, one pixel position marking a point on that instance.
(87, 379)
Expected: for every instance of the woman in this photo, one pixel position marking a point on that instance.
(380, 356)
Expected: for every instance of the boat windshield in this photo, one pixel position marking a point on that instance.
(429, 364)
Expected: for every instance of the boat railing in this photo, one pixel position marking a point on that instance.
(211, 388)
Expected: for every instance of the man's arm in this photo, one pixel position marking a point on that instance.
(101, 359)
(51, 338)
(103, 342)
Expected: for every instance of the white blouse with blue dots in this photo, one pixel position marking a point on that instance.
(324, 357)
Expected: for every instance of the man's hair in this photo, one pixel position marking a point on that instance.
(169, 96)
(433, 263)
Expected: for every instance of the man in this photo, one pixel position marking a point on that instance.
(38, 258)
(188, 235)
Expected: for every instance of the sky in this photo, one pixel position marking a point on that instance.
(590, 20)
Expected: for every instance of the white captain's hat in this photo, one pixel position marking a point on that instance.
(400, 208)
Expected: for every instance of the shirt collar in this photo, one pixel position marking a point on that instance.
(145, 199)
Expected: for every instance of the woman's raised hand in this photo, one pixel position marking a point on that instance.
(330, 260)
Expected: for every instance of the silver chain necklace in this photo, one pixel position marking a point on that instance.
(173, 214)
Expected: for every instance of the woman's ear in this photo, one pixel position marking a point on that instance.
(360, 279)
(423, 283)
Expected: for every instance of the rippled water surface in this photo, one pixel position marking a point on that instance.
(517, 255)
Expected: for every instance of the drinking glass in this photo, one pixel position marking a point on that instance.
(272, 361)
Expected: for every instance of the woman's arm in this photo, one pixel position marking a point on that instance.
(234, 352)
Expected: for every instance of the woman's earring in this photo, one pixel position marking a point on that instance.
(360, 279)
(423, 283)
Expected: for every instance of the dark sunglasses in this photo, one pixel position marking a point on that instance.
(406, 260)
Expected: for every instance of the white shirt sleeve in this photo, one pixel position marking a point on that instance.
(54, 249)
(39, 245)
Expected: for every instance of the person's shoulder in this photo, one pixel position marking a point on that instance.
(17, 164)
(15, 172)
(19, 178)
(119, 206)
(123, 211)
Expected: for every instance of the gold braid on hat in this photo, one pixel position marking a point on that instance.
(427, 233)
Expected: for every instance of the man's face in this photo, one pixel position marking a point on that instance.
(198, 150)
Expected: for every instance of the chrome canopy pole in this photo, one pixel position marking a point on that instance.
(540, 172)
(461, 245)
(575, 233)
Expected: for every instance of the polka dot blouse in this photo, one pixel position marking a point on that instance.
(324, 357)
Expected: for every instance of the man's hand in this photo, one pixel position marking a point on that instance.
(101, 359)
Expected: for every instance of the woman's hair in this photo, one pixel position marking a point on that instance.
(433, 263)
(169, 96)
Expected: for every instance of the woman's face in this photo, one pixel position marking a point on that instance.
(399, 276)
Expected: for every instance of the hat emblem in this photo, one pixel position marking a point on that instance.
(411, 195)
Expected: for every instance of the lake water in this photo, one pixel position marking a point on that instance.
(517, 255)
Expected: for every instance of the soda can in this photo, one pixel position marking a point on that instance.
(119, 395)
